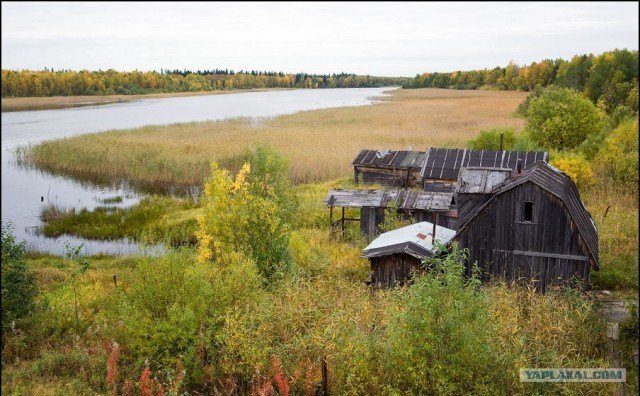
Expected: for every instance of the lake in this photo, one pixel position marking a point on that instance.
(26, 190)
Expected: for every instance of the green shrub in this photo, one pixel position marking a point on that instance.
(18, 284)
(561, 118)
(442, 342)
(490, 139)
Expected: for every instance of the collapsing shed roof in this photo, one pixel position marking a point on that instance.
(415, 240)
(441, 163)
(480, 180)
(390, 159)
(401, 199)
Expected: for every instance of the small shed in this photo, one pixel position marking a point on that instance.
(394, 255)
(533, 227)
(441, 166)
(388, 167)
(417, 205)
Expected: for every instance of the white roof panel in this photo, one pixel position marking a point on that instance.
(418, 233)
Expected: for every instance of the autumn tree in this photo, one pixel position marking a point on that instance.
(250, 213)
(619, 154)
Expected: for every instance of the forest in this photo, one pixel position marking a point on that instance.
(45, 83)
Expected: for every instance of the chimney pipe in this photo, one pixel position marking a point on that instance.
(501, 140)
(519, 165)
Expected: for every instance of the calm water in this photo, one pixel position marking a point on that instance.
(25, 190)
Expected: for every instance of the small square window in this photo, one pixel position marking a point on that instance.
(527, 214)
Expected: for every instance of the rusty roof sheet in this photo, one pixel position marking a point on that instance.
(441, 163)
(557, 183)
(390, 159)
(402, 199)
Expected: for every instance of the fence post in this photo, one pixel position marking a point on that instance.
(325, 381)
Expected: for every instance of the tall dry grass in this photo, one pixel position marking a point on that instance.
(320, 144)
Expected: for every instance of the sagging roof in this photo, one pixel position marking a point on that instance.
(555, 182)
(401, 199)
(441, 163)
(415, 240)
(476, 180)
(390, 159)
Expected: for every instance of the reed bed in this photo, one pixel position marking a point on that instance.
(320, 144)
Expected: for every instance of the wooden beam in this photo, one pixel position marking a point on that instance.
(551, 255)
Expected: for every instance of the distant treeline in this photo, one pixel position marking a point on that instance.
(44, 83)
(608, 80)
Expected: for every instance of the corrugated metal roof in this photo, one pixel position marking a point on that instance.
(402, 199)
(390, 159)
(557, 183)
(415, 240)
(480, 180)
(441, 163)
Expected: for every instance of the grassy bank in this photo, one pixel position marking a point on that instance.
(320, 144)
(213, 328)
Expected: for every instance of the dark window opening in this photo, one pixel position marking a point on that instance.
(528, 211)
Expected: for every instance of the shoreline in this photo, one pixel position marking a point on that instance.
(60, 102)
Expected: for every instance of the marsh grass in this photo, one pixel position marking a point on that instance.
(615, 212)
(155, 219)
(320, 144)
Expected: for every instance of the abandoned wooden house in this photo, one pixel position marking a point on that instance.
(388, 168)
(417, 205)
(531, 226)
(394, 255)
(442, 166)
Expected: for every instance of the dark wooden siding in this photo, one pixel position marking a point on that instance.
(389, 177)
(393, 270)
(370, 218)
(548, 250)
(389, 168)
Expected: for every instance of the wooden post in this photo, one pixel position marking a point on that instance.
(433, 233)
(325, 379)
(332, 200)
(342, 221)
(115, 281)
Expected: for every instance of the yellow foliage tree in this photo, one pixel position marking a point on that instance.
(576, 167)
(249, 214)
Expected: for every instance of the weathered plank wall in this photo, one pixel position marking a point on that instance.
(393, 270)
(547, 249)
(390, 177)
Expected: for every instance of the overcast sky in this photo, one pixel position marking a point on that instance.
(376, 38)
